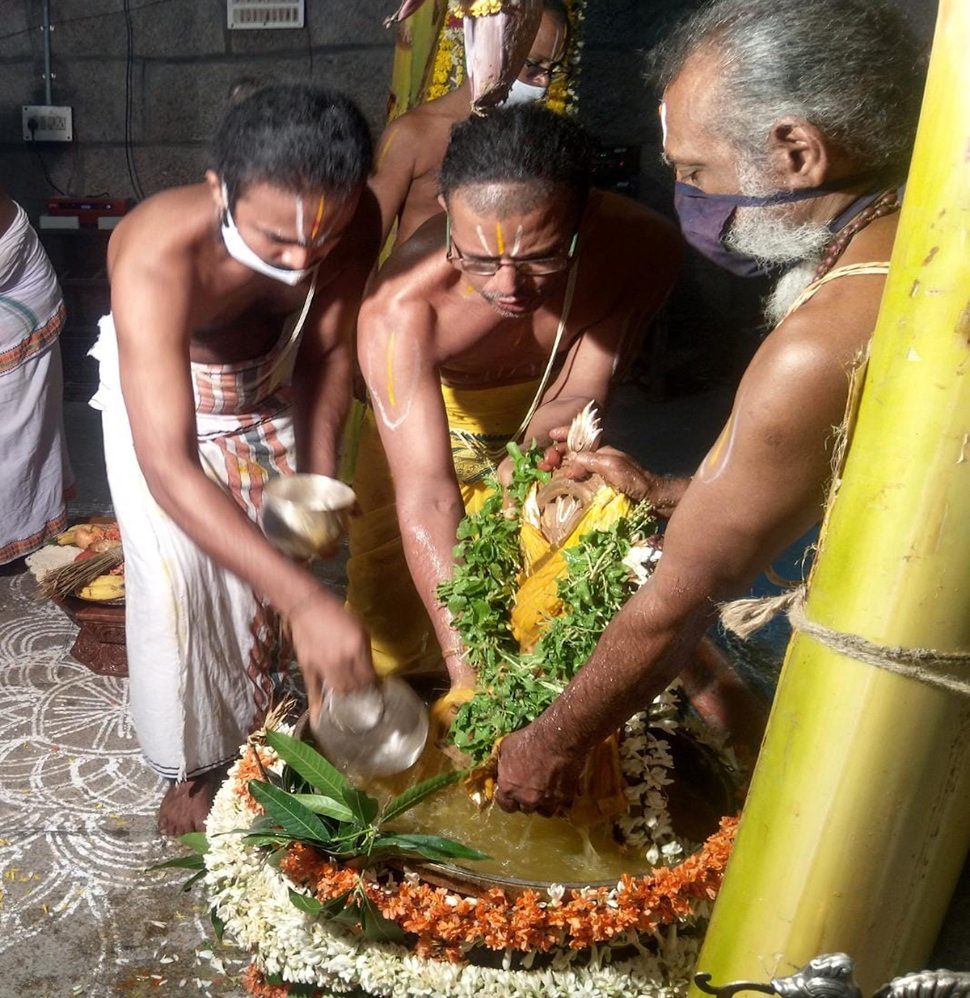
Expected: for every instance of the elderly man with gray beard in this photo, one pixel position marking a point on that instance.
(789, 127)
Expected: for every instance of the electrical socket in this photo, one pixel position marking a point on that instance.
(47, 123)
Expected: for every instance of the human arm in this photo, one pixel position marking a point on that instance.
(398, 361)
(617, 469)
(393, 172)
(759, 488)
(152, 308)
(324, 370)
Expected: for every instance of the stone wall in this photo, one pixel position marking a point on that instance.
(184, 60)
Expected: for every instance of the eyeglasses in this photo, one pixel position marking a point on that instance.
(489, 266)
(533, 71)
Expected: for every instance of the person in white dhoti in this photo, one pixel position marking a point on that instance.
(226, 360)
(33, 455)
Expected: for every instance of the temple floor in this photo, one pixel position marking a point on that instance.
(78, 914)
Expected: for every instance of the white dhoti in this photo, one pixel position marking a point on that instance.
(202, 647)
(33, 454)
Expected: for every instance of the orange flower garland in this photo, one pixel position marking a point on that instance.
(447, 924)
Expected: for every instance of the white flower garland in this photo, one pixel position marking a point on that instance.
(252, 899)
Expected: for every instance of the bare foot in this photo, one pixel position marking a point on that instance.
(185, 805)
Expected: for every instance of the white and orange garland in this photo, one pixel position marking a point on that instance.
(639, 938)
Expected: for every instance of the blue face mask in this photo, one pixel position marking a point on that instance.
(706, 218)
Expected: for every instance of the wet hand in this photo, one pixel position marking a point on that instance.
(616, 468)
(331, 646)
(534, 775)
(556, 451)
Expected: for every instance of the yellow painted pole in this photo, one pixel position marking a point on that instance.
(858, 820)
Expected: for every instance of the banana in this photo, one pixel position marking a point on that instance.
(104, 587)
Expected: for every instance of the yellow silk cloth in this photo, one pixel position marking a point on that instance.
(380, 590)
(543, 565)
(601, 784)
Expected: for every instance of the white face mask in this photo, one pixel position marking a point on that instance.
(523, 93)
(239, 250)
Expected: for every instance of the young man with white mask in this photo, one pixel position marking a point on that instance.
(412, 147)
(226, 360)
(789, 127)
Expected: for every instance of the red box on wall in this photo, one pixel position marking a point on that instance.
(88, 210)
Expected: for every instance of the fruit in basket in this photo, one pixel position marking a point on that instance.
(104, 587)
(87, 535)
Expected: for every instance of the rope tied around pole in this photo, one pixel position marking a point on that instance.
(944, 670)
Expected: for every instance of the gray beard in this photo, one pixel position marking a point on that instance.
(787, 289)
(769, 235)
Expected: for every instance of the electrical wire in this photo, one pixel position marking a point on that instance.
(309, 39)
(129, 101)
(86, 17)
(47, 175)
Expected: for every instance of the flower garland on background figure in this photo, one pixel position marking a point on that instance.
(448, 71)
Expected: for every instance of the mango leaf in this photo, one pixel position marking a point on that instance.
(319, 804)
(429, 846)
(306, 904)
(196, 841)
(350, 917)
(193, 862)
(270, 777)
(308, 763)
(417, 793)
(333, 907)
(275, 858)
(218, 925)
(290, 814)
(364, 807)
(279, 839)
(187, 886)
(376, 926)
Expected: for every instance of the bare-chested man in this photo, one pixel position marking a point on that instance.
(412, 147)
(808, 110)
(494, 322)
(225, 361)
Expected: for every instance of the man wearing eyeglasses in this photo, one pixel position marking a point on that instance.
(412, 147)
(497, 321)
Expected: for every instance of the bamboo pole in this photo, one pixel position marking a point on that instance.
(858, 820)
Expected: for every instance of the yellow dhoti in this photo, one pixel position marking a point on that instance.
(380, 590)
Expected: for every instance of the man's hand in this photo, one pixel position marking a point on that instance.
(534, 775)
(331, 646)
(617, 469)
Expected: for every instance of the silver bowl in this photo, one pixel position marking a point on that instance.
(377, 731)
(305, 515)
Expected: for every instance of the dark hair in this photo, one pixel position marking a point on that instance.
(298, 137)
(527, 143)
(853, 68)
(558, 9)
